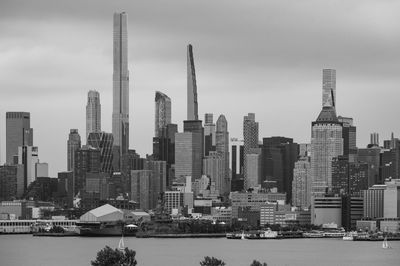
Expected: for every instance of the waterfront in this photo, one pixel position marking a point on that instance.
(16, 250)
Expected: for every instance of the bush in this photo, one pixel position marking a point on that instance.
(114, 257)
(257, 263)
(211, 262)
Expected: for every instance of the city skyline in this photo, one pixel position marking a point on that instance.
(214, 81)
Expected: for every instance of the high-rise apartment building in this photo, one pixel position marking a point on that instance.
(120, 117)
(222, 148)
(192, 107)
(253, 170)
(104, 142)
(329, 87)
(301, 185)
(250, 136)
(93, 112)
(18, 133)
(73, 144)
(162, 114)
(87, 160)
(371, 156)
(213, 167)
(209, 134)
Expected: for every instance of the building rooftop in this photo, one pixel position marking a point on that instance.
(328, 114)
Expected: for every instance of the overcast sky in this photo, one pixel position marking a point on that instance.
(264, 57)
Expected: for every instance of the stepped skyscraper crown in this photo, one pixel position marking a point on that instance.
(192, 107)
(120, 117)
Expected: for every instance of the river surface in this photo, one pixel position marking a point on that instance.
(21, 250)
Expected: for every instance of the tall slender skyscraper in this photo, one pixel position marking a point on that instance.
(250, 136)
(18, 133)
(162, 114)
(73, 144)
(192, 108)
(93, 113)
(120, 123)
(222, 148)
(329, 87)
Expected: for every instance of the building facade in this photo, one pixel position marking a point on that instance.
(192, 105)
(162, 114)
(93, 113)
(250, 137)
(222, 148)
(18, 133)
(120, 116)
(301, 185)
(73, 144)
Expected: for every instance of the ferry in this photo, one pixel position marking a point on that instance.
(313, 234)
(31, 226)
(267, 234)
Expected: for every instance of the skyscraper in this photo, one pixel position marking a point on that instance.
(222, 148)
(192, 108)
(349, 134)
(120, 123)
(209, 134)
(329, 87)
(301, 184)
(93, 113)
(104, 142)
(18, 133)
(188, 159)
(162, 114)
(326, 143)
(250, 136)
(73, 144)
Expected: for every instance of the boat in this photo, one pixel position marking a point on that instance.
(385, 244)
(349, 236)
(242, 237)
(264, 234)
(121, 244)
(313, 234)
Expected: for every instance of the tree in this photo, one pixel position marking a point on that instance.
(211, 262)
(114, 257)
(257, 263)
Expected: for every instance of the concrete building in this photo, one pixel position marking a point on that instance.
(373, 201)
(253, 169)
(301, 185)
(18, 133)
(73, 144)
(42, 169)
(87, 160)
(222, 148)
(253, 200)
(250, 137)
(141, 189)
(192, 105)
(162, 113)
(213, 167)
(325, 210)
(237, 161)
(120, 115)
(391, 199)
(93, 113)
(11, 182)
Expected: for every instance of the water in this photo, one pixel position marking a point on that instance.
(18, 250)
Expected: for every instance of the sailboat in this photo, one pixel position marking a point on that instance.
(121, 244)
(385, 243)
(242, 236)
